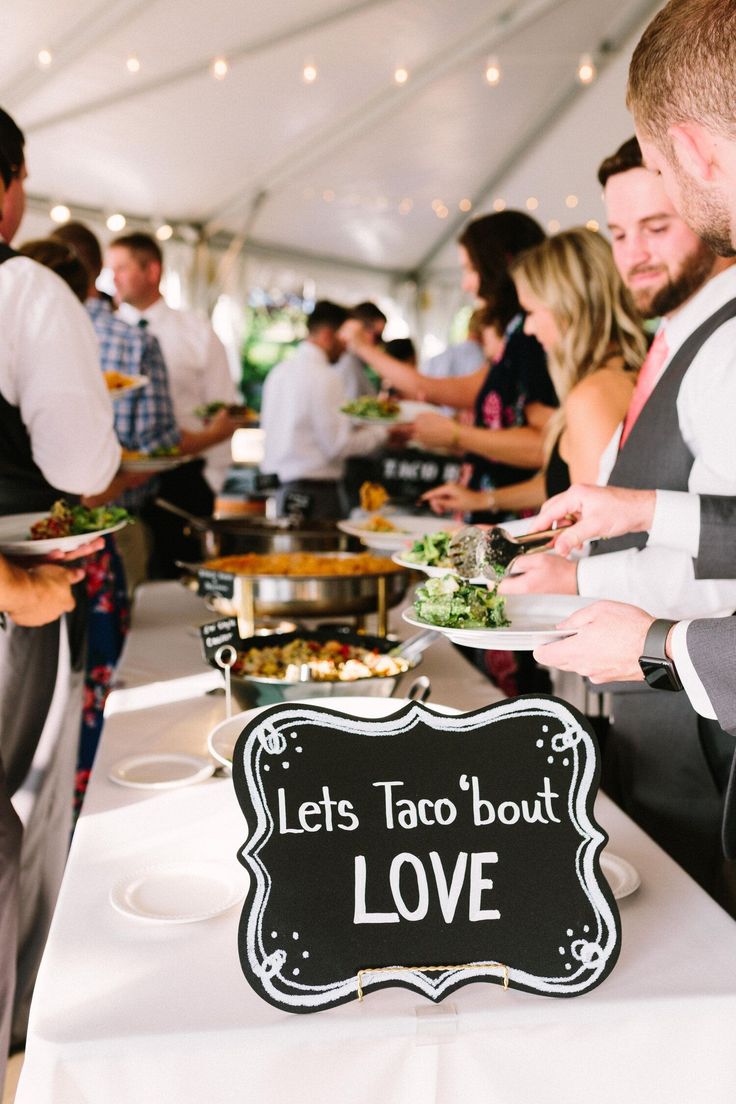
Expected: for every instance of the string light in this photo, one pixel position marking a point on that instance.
(592, 224)
(436, 204)
(219, 68)
(164, 232)
(405, 206)
(493, 72)
(532, 203)
(60, 213)
(116, 222)
(465, 204)
(553, 226)
(441, 211)
(328, 195)
(401, 75)
(499, 204)
(133, 65)
(586, 69)
(571, 201)
(44, 58)
(309, 73)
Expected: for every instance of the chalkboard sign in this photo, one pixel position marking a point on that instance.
(219, 584)
(422, 850)
(216, 633)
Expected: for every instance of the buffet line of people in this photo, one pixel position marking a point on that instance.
(557, 404)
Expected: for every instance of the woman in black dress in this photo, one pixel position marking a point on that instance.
(577, 307)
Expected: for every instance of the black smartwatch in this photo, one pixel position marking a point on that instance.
(656, 666)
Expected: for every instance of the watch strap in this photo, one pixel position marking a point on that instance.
(656, 639)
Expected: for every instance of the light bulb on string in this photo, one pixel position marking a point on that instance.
(44, 58)
(219, 68)
(493, 72)
(309, 73)
(116, 222)
(60, 213)
(401, 75)
(164, 232)
(133, 65)
(586, 69)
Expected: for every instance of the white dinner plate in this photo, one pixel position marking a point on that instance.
(136, 383)
(223, 737)
(179, 892)
(161, 771)
(533, 619)
(622, 877)
(14, 540)
(409, 527)
(155, 464)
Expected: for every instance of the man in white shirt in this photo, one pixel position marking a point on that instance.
(56, 437)
(352, 370)
(673, 275)
(199, 374)
(307, 438)
(661, 760)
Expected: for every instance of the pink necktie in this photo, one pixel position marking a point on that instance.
(645, 384)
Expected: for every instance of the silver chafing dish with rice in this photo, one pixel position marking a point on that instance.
(298, 585)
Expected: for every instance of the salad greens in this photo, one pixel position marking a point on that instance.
(65, 521)
(453, 603)
(369, 406)
(433, 549)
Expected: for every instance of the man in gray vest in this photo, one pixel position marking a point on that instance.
(678, 436)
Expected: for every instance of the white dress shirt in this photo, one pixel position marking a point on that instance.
(661, 579)
(198, 369)
(306, 436)
(50, 371)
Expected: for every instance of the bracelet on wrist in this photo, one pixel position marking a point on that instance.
(455, 438)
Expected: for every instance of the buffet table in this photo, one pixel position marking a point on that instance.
(127, 1011)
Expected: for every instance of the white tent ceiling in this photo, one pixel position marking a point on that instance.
(347, 167)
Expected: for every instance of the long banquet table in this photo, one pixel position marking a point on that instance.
(127, 1012)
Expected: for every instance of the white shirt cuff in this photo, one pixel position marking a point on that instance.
(604, 576)
(688, 675)
(676, 522)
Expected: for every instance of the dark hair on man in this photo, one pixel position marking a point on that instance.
(368, 312)
(627, 157)
(12, 143)
(62, 259)
(326, 313)
(81, 238)
(492, 242)
(403, 349)
(143, 247)
(6, 173)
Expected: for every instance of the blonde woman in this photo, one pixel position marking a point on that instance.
(579, 310)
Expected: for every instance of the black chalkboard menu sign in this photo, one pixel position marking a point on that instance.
(215, 634)
(422, 850)
(217, 584)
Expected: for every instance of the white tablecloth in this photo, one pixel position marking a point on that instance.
(128, 1012)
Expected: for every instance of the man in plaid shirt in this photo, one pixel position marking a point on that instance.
(144, 420)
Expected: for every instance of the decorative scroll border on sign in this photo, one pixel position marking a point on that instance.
(593, 954)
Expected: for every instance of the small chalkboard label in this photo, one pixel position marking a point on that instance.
(422, 850)
(213, 583)
(216, 633)
(297, 503)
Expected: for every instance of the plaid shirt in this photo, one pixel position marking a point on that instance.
(144, 420)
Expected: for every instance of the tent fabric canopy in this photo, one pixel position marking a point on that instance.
(353, 168)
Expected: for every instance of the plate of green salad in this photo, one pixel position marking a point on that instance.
(476, 616)
(379, 410)
(62, 529)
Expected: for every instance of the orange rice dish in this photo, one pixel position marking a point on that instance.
(302, 563)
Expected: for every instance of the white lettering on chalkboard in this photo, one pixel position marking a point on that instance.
(509, 812)
(409, 814)
(447, 897)
(323, 809)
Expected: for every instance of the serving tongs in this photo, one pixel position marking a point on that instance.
(491, 553)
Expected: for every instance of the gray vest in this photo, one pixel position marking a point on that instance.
(655, 454)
